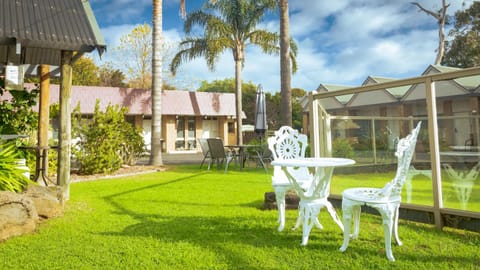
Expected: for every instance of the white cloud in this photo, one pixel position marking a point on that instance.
(341, 42)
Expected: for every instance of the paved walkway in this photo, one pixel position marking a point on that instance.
(178, 158)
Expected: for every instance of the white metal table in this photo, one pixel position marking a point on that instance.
(315, 195)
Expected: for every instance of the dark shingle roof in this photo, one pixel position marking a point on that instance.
(46, 27)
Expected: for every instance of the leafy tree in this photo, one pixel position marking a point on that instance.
(109, 76)
(106, 141)
(85, 72)
(228, 26)
(464, 50)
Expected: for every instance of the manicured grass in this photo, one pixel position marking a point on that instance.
(186, 218)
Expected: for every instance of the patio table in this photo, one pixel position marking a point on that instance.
(242, 151)
(315, 195)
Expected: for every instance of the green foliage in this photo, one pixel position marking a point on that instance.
(106, 140)
(16, 114)
(109, 76)
(12, 176)
(249, 95)
(85, 72)
(464, 49)
(342, 148)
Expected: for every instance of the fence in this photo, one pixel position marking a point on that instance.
(370, 121)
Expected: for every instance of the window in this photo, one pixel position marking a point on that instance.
(186, 133)
(231, 127)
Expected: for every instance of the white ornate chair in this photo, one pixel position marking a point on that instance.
(286, 143)
(385, 200)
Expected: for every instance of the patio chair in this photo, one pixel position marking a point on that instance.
(218, 153)
(287, 143)
(385, 200)
(205, 151)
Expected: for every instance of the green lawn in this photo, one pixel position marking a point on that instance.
(186, 218)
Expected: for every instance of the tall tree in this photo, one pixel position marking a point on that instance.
(464, 50)
(157, 81)
(228, 25)
(441, 17)
(136, 49)
(286, 92)
(85, 72)
(156, 144)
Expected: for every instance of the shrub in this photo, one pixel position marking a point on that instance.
(342, 148)
(105, 141)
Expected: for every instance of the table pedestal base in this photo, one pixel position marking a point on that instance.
(308, 216)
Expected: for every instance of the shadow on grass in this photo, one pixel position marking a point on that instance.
(235, 238)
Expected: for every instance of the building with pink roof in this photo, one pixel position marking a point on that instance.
(187, 116)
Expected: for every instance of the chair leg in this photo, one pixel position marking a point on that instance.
(210, 163)
(387, 217)
(395, 227)
(347, 212)
(356, 211)
(227, 162)
(280, 198)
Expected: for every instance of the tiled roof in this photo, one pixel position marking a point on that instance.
(44, 28)
(138, 101)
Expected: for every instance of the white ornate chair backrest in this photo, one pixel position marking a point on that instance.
(287, 143)
(404, 154)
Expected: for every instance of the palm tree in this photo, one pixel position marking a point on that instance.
(230, 26)
(156, 144)
(286, 91)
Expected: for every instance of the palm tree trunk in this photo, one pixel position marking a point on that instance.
(286, 91)
(156, 144)
(238, 99)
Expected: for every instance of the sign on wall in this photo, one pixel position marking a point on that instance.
(13, 77)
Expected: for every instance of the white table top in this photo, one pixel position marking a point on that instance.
(314, 162)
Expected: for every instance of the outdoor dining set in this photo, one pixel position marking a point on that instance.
(310, 177)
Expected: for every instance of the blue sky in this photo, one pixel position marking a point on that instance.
(340, 41)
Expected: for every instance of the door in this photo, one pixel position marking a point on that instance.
(210, 129)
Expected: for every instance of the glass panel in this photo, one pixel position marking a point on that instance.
(460, 158)
(191, 141)
(369, 134)
(180, 140)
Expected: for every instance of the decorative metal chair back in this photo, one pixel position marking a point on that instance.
(287, 143)
(404, 153)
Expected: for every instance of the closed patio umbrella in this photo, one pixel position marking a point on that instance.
(260, 112)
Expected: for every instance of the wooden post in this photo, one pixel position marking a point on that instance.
(43, 120)
(63, 172)
(434, 151)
